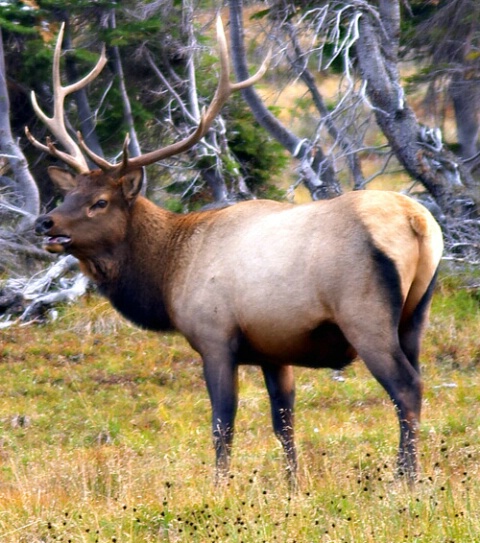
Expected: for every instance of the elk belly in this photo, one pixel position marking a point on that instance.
(322, 347)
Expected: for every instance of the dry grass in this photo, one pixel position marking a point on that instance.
(105, 437)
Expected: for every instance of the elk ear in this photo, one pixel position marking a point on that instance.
(132, 184)
(62, 179)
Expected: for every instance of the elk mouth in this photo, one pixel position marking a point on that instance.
(56, 244)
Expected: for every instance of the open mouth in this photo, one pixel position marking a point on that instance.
(58, 240)
(56, 244)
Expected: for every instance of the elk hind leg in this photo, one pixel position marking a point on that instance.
(400, 379)
(381, 351)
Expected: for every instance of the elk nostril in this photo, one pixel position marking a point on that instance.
(43, 225)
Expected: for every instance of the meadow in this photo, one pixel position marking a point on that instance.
(105, 437)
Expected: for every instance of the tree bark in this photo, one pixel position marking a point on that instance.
(421, 152)
(25, 187)
(134, 144)
(465, 97)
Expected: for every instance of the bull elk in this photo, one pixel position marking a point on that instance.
(260, 282)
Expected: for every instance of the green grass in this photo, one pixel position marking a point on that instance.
(105, 436)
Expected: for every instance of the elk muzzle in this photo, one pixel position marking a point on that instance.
(53, 243)
(43, 225)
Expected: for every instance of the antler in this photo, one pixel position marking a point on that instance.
(224, 90)
(56, 124)
(76, 159)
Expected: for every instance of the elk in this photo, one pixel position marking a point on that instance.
(260, 282)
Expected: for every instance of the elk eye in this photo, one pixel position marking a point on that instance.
(100, 204)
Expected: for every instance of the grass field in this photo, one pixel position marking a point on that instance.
(105, 436)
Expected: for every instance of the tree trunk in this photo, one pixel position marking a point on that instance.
(465, 96)
(134, 144)
(25, 187)
(420, 151)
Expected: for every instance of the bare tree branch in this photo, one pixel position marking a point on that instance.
(321, 184)
(31, 298)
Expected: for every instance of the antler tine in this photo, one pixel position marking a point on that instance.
(52, 150)
(224, 90)
(56, 124)
(100, 161)
(226, 87)
(240, 85)
(96, 159)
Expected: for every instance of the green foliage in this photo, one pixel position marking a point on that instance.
(421, 11)
(16, 16)
(112, 129)
(173, 204)
(36, 62)
(134, 32)
(259, 159)
(49, 8)
(262, 158)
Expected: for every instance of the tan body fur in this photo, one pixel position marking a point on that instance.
(266, 283)
(275, 272)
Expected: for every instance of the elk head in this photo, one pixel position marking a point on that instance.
(96, 201)
(93, 215)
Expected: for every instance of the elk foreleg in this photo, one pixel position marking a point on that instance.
(221, 376)
(280, 384)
